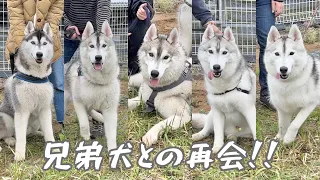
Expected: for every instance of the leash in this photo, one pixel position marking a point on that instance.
(30, 79)
(186, 2)
(186, 75)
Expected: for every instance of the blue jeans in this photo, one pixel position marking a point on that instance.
(70, 47)
(264, 20)
(57, 79)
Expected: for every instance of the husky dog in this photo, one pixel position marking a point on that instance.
(230, 84)
(28, 95)
(293, 79)
(163, 63)
(92, 84)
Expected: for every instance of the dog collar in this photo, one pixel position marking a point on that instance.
(236, 88)
(185, 76)
(31, 79)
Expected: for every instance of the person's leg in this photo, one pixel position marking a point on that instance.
(70, 47)
(264, 20)
(57, 79)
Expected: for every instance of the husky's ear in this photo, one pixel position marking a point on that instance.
(208, 34)
(228, 34)
(47, 29)
(295, 33)
(29, 28)
(273, 35)
(106, 29)
(87, 31)
(151, 34)
(173, 38)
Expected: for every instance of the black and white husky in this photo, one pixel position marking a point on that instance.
(26, 107)
(92, 83)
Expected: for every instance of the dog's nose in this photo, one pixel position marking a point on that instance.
(216, 67)
(154, 73)
(98, 57)
(39, 54)
(283, 69)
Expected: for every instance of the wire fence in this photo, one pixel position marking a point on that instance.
(118, 23)
(240, 16)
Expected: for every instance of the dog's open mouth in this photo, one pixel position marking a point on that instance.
(154, 81)
(39, 60)
(215, 74)
(284, 76)
(97, 66)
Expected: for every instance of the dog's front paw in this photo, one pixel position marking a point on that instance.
(279, 137)
(197, 136)
(19, 156)
(150, 138)
(216, 149)
(288, 138)
(11, 141)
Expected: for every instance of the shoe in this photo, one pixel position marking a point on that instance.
(97, 129)
(265, 100)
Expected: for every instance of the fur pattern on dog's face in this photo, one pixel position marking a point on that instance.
(36, 50)
(97, 47)
(284, 55)
(161, 56)
(219, 55)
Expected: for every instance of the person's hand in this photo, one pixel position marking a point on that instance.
(277, 8)
(74, 35)
(129, 34)
(214, 27)
(141, 13)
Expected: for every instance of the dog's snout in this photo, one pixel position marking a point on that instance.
(216, 67)
(39, 54)
(283, 69)
(98, 57)
(154, 73)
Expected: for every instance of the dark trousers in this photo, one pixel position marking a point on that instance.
(264, 20)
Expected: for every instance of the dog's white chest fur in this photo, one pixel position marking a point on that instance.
(97, 97)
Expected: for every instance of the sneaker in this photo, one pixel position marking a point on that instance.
(265, 100)
(97, 129)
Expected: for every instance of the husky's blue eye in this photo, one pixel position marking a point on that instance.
(45, 43)
(166, 57)
(277, 54)
(151, 54)
(104, 45)
(210, 51)
(91, 46)
(32, 42)
(224, 52)
(291, 53)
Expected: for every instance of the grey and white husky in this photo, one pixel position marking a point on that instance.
(162, 62)
(293, 79)
(231, 88)
(26, 105)
(92, 83)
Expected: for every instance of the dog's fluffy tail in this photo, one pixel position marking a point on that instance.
(198, 120)
(185, 27)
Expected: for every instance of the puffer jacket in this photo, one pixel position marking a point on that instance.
(22, 11)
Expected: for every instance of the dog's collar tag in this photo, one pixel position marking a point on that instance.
(31, 79)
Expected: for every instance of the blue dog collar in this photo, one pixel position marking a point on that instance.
(31, 79)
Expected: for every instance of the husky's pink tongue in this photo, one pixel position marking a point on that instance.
(154, 82)
(210, 75)
(278, 76)
(97, 66)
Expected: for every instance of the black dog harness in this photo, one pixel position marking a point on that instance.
(30, 79)
(185, 76)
